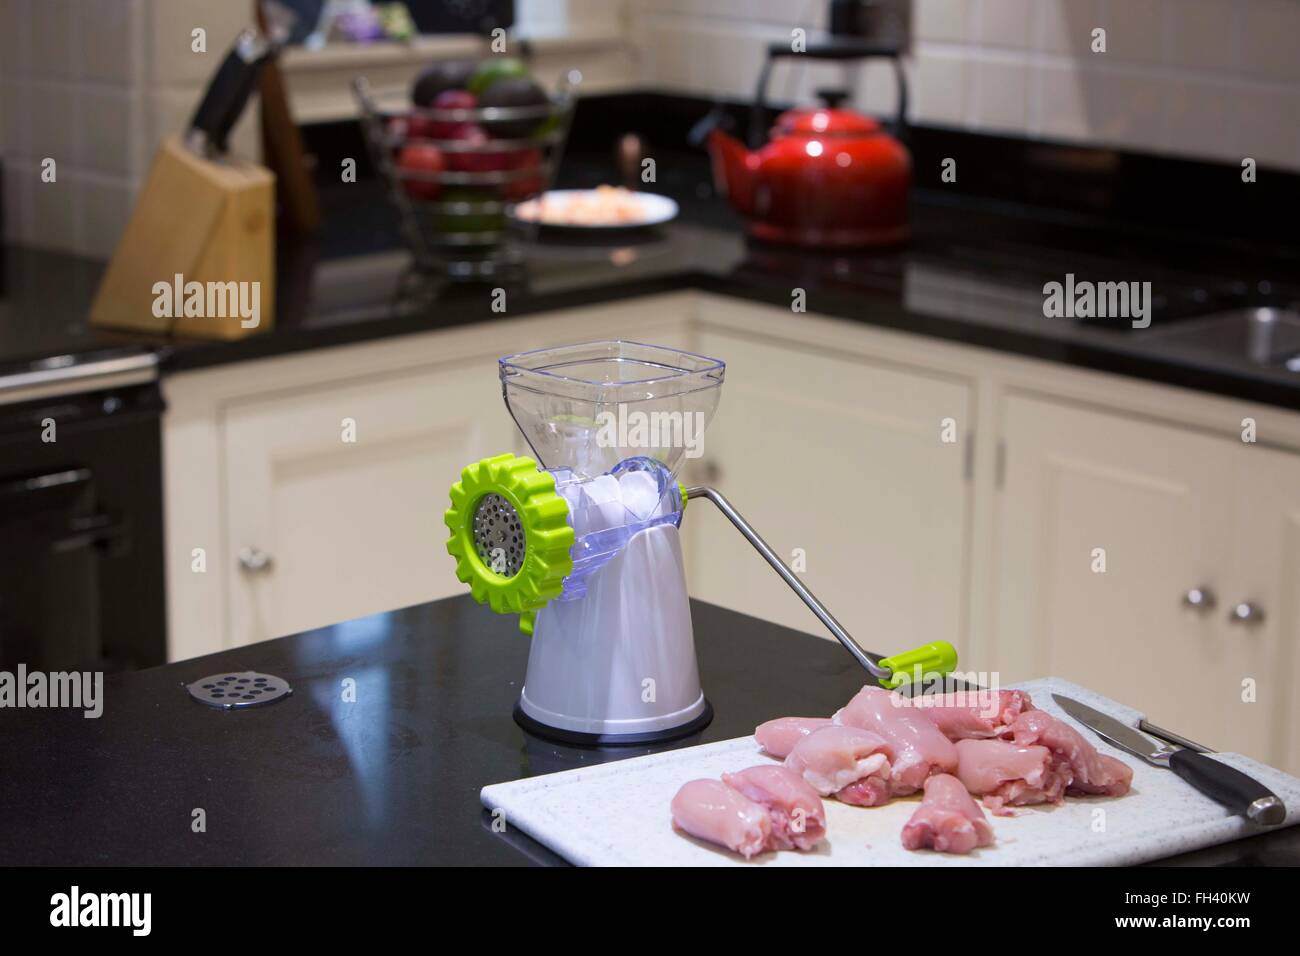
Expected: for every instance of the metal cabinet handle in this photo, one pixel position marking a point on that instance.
(1246, 613)
(254, 560)
(1200, 600)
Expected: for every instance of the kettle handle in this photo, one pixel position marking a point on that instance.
(834, 50)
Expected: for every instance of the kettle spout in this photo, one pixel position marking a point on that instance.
(734, 167)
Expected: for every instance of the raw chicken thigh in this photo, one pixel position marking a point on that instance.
(852, 764)
(919, 749)
(793, 806)
(778, 737)
(713, 811)
(947, 820)
(1090, 772)
(973, 713)
(1007, 774)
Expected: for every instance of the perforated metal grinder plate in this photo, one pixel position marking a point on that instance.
(499, 535)
(235, 690)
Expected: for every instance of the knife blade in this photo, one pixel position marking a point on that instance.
(1243, 795)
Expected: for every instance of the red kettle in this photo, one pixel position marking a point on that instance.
(827, 178)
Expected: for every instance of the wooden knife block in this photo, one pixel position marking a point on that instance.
(207, 221)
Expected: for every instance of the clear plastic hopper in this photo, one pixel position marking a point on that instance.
(588, 407)
(612, 421)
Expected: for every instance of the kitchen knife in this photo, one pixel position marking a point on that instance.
(228, 93)
(1243, 795)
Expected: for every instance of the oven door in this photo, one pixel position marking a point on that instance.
(81, 576)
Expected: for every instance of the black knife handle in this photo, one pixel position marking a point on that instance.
(1243, 795)
(229, 90)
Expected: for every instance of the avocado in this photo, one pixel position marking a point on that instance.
(514, 91)
(442, 75)
(493, 70)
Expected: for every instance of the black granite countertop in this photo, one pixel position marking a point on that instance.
(973, 273)
(392, 778)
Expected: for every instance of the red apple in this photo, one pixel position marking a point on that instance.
(451, 100)
(421, 158)
(479, 158)
(529, 181)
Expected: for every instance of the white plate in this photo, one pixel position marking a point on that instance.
(654, 210)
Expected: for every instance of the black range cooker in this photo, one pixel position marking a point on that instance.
(81, 538)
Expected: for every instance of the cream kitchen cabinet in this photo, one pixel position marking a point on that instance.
(335, 498)
(1123, 544)
(840, 464)
(1265, 576)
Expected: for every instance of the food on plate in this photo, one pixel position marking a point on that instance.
(1090, 772)
(973, 713)
(849, 763)
(778, 737)
(514, 92)
(493, 70)
(602, 206)
(947, 820)
(443, 75)
(919, 749)
(418, 165)
(713, 811)
(793, 806)
(1006, 774)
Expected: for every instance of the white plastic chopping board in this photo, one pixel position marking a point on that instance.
(616, 814)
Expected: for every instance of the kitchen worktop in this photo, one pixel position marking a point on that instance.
(391, 778)
(972, 273)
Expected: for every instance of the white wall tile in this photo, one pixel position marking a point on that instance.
(15, 37)
(876, 89)
(54, 212)
(1127, 107)
(1201, 32)
(940, 83)
(1001, 94)
(1133, 30)
(1063, 102)
(20, 181)
(1270, 38)
(1005, 23)
(1065, 26)
(941, 19)
(53, 122)
(1268, 128)
(110, 40)
(105, 206)
(50, 41)
(112, 134)
(15, 119)
(172, 61)
(1201, 119)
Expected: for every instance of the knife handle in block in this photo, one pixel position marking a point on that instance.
(1243, 795)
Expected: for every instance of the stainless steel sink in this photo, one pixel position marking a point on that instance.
(1266, 335)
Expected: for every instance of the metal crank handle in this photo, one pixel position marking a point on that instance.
(939, 655)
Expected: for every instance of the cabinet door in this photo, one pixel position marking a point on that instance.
(1158, 500)
(352, 527)
(1265, 574)
(843, 460)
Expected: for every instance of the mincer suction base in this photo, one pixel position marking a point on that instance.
(576, 738)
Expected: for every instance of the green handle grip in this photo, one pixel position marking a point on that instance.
(938, 657)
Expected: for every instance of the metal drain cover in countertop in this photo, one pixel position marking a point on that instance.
(232, 690)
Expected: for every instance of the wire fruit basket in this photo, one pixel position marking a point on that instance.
(455, 176)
